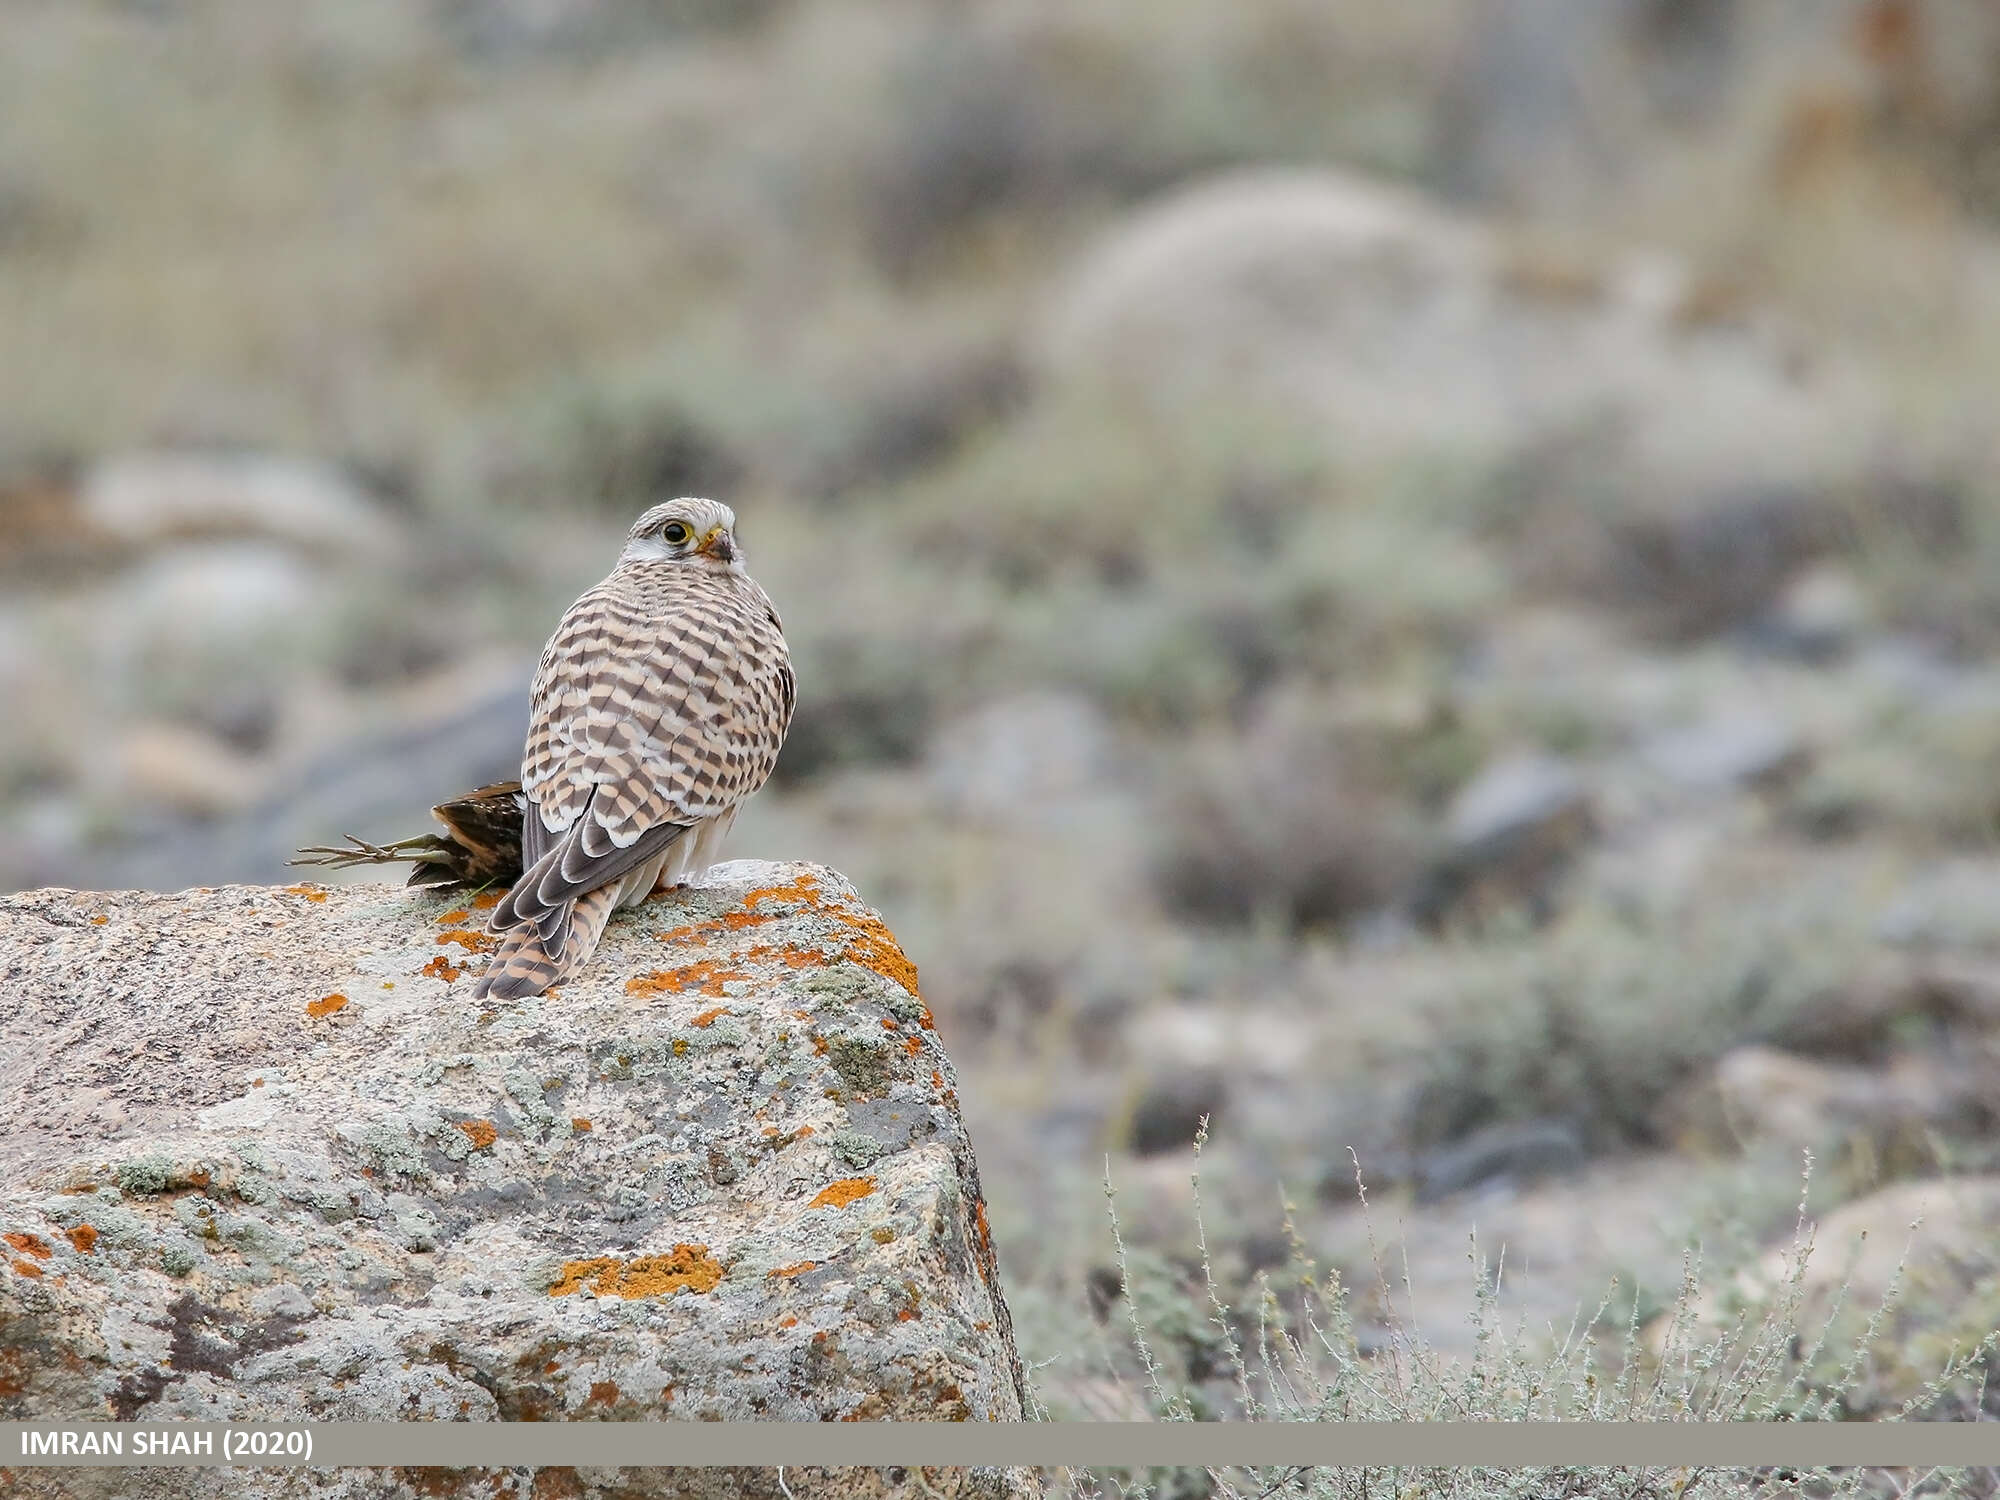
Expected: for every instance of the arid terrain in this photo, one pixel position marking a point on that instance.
(1420, 581)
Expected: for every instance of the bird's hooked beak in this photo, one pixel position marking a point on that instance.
(719, 545)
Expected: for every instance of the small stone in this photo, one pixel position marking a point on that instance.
(1727, 751)
(1511, 831)
(1517, 798)
(1170, 1108)
(1818, 618)
(1517, 1153)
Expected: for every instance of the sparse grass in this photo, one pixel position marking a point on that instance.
(1293, 1350)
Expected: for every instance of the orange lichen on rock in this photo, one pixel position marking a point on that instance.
(99, 921)
(454, 918)
(28, 1244)
(804, 890)
(325, 1006)
(471, 942)
(843, 1192)
(699, 933)
(913, 1045)
(84, 1237)
(706, 977)
(709, 1017)
(480, 1132)
(576, 1274)
(876, 948)
(873, 946)
(797, 1268)
(441, 967)
(791, 956)
(487, 900)
(985, 1236)
(602, 1393)
(306, 891)
(29, 1269)
(580, 1125)
(686, 1268)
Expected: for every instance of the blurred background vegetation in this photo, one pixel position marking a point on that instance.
(1422, 580)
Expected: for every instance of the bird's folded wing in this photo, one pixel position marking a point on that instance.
(636, 736)
(578, 862)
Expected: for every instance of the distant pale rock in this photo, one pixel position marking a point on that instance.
(1021, 760)
(1821, 615)
(1514, 1153)
(1726, 751)
(196, 597)
(1404, 327)
(173, 768)
(1510, 833)
(152, 497)
(262, 1160)
(1769, 1096)
(1513, 798)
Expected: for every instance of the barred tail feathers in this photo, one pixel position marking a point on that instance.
(522, 966)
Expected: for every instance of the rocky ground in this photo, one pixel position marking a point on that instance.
(1420, 585)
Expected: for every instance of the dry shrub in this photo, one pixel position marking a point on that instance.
(1284, 823)
(871, 703)
(1293, 1347)
(1591, 1026)
(1681, 567)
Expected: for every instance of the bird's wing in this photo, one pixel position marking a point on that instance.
(644, 724)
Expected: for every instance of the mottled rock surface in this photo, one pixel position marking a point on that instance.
(262, 1158)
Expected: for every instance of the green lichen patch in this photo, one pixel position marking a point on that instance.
(866, 1067)
(389, 1150)
(154, 1174)
(146, 1177)
(856, 1149)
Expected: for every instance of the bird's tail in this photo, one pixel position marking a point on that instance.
(522, 965)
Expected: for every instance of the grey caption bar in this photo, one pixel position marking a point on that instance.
(1091, 1445)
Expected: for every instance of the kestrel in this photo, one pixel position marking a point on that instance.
(658, 709)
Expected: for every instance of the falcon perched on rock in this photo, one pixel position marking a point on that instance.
(658, 708)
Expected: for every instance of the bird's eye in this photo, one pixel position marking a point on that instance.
(674, 533)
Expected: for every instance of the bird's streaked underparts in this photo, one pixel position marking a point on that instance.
(659, 707)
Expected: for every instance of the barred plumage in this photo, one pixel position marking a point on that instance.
(660, 705)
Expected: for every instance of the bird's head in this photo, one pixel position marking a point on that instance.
(689, 531)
